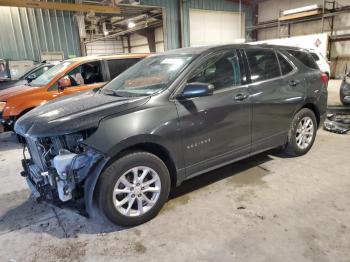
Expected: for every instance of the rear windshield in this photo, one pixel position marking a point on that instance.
(304, 57)
(315, 56)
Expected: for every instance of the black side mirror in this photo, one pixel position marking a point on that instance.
(197, 89)
(31, 77)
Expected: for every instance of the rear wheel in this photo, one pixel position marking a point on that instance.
(133, 189)
(302, 133)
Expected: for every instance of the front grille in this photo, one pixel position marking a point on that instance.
(35, 153)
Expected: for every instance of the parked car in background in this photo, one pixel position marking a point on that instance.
(306, 57)
(345, 89)
(12, 69)
(322, 62)
(69, 76)
(169, 118)
(27, 77)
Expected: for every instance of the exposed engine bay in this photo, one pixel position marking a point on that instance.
(57, 167)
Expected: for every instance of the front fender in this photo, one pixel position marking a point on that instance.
(154, 124)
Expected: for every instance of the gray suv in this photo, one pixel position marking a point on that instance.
(170, 117)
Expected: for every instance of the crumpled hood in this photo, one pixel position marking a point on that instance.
(73, 113)
(15, 90)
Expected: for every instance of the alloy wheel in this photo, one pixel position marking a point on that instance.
(305, 132)
(136, 191)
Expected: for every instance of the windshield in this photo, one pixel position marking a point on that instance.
(50, 74)
(149, 76)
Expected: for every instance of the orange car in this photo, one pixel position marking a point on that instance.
(70, 76)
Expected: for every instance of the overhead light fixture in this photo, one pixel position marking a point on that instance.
(131, 24)
(301, 9)
(104, 29)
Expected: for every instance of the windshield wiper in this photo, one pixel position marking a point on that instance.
(110, 92)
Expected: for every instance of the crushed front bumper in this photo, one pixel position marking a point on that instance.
(40, 189)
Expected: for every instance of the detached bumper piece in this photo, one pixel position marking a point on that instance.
(338, 123)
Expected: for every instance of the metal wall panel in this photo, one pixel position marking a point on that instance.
(172, 20)
(26, 32)
(217, 5)
(172, 16)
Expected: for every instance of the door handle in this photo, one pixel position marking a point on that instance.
(241, 97)
(293, 82)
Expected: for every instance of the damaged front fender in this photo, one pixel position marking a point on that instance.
(91, 182)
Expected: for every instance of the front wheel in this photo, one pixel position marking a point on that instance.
(133, 189)
(302, 133)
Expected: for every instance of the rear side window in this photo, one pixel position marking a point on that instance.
(263, 64)
(117, 66)
(315, 56)
(304, 57)
(286, 67)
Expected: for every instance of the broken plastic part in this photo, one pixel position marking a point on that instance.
(335, 127)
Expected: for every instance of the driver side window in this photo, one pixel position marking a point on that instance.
(221, 70)
(85, 74)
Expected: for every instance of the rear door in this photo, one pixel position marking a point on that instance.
(117, 66)
(216, 129)
(276, 91)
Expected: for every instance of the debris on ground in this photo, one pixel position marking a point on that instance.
(338, 123)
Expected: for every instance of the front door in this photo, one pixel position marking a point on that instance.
(216, 129)
(84, 77)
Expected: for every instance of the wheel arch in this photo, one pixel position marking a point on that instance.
(25, 111)
(315, 110)
(154, 148)
(313, 107)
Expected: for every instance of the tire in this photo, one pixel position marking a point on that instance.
(295, 146)
(345, 103)
(113, 180)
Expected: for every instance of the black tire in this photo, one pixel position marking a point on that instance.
(345, 103)
(292, 147)
(110, 176)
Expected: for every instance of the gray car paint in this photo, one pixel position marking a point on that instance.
(229, 130)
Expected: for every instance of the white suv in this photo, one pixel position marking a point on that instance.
(322, 62)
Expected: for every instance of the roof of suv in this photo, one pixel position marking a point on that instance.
(200, 49)
(103, 57)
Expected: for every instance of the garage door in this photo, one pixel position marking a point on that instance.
(215, 27)
(104, 47)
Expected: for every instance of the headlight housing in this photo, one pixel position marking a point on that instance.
(2, 106)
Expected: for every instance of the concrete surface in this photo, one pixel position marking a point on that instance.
(266, 208)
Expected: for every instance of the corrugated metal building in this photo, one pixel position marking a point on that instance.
(26, 32)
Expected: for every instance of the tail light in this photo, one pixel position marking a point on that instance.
(324, 79)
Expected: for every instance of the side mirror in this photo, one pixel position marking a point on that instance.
(31, 77)
(64, 82)
(197, 89)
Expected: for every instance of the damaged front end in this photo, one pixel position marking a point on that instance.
(57, 168)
